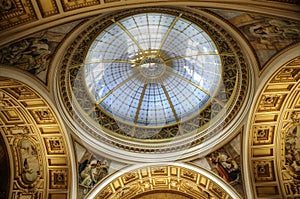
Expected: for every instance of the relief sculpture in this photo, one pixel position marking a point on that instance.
(292, 152)
(29, 161)
(31, 54)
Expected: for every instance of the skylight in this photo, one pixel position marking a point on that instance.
(152, 69)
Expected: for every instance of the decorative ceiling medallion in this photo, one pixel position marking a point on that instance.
(141, 78)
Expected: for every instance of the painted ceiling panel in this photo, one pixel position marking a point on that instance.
(34, 53)
(267, 35)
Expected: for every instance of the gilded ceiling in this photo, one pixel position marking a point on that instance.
(4, 170)
(275, 128)
(170, 178)
(61, 139)
(35, 143)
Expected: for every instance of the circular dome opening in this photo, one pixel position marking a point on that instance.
(153, 81)
(152, 69)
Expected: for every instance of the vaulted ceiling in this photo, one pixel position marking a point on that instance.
(51, 128)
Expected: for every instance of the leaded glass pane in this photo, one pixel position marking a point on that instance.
(152, 69)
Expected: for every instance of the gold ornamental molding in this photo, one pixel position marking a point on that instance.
(40, 159)
(274, 135)
(149, 179)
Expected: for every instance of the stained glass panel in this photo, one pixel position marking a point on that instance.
(152, 69)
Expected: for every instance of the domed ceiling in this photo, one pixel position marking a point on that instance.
(152, 69)
(153, 80)
(212, 83)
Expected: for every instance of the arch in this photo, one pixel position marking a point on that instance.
(270, 110)
(30, 120)
(133, 180)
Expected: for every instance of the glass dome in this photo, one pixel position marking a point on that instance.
(152, 69)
